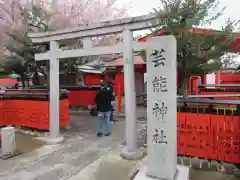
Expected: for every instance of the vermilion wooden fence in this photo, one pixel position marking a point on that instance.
(82, 96)
(209, 134)
(31, 113)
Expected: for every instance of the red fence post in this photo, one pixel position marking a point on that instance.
(119, 89)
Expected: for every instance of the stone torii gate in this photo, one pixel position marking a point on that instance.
(154, 51)
(86, 32)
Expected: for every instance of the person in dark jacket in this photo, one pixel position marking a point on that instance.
(103, 101)
(109, 85)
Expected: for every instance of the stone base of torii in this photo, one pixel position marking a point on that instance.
(181, 174)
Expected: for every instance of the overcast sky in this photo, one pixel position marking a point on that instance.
(141, 7)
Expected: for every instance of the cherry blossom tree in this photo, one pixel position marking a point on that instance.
(18, 17)
(77, 12)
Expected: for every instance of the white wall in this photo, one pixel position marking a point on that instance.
(210, 79)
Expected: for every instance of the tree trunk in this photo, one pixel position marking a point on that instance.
(184, 88)
(36, 78)
(22, 76)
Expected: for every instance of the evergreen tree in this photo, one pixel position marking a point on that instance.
(198, 50)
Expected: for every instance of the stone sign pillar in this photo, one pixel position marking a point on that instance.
(162, 107)
(162, 112)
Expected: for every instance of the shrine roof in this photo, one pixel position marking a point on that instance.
(138, 60)
(235, 46)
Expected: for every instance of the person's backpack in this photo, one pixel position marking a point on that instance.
(93, 111)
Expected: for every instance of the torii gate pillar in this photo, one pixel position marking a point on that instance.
(54, 133)
(130, 151)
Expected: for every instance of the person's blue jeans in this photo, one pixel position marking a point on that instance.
(101, 117)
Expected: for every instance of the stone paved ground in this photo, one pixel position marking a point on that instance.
(63, 163)
(81, 148)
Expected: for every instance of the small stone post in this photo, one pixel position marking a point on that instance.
(8, 142)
